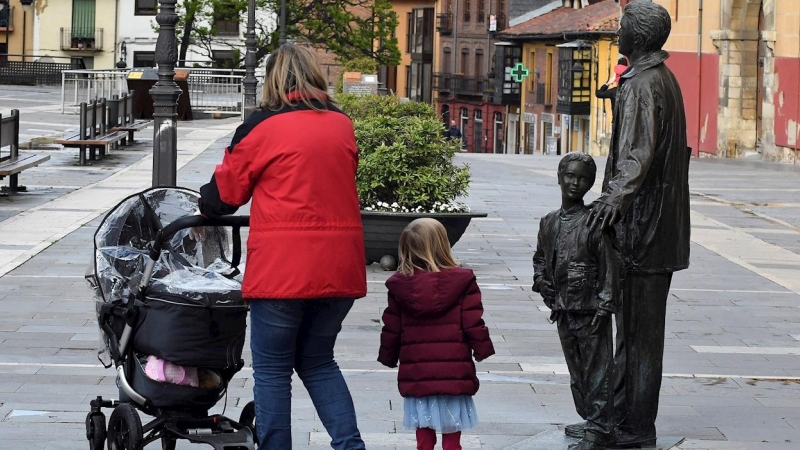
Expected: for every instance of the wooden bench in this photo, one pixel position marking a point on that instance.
(120, 116)
(13, 164)
(93, 133)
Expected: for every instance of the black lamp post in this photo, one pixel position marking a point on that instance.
(282, 35)
(250, 82)
(165, 95)
(27, 5)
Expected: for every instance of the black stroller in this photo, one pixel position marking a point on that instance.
(165, 298)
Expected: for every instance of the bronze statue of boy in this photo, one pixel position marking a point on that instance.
(576, 271)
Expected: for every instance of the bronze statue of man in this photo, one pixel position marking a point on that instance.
(646, 200)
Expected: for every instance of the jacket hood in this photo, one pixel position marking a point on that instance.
(430, 293)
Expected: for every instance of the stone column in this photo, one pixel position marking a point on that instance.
(165, 95)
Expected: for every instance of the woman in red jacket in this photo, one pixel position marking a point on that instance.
(296, 157)
(433, 325)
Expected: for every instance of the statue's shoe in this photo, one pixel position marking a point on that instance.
(626, 439)
(576, 430)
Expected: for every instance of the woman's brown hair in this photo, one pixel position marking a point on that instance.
(424, 246)
(293, 68)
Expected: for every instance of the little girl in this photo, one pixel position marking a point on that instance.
(433, 325)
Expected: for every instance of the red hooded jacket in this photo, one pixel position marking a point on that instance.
(433, 324)
(299, 167)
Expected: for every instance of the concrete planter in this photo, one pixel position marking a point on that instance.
(382, 229)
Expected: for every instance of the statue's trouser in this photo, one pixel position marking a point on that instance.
(590, 360)
(640, 351)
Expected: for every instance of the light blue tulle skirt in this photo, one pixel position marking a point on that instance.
(443, 413)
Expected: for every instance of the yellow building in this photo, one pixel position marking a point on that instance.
(568, 54)
(77, 28)
(16, 30)
(417, 42)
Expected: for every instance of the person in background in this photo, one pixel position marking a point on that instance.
(296, 158)
(606, 91)
(433, 325)
(453, 132)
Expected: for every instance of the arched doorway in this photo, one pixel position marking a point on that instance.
(746, 44)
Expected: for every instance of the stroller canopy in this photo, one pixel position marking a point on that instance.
(189, 272)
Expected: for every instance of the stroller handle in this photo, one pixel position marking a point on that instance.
(191, 222)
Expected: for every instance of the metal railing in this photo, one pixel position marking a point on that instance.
(470, 85)
(217, 90)
(443, 82)
(78, 86)
(41, 72)
(444, 23)
(82, 39)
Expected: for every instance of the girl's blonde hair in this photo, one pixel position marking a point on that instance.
(424, 246)
(292, 68)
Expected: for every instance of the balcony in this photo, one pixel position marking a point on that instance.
(82, 39)
(469, 86)
(7, 19)
(574, 79)
(460, 85)
(444, 23)
(443, 82)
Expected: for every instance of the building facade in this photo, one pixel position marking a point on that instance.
(464, 75)
(137, 27)
(16, 30)
(567, 51)
(417, 41)
(737, 62)
(77, 28)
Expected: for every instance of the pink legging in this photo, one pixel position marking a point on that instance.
(426, 439)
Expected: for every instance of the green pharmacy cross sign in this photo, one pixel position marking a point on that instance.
(519, 72)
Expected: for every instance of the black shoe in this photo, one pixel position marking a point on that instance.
(585, 444)
(626, 439)
(576, 430)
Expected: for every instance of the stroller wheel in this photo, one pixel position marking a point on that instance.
(124, 429)
(248, 419)
(96, 430)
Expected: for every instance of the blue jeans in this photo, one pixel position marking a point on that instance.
(299, 335)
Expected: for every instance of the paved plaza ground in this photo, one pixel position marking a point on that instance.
(732, 361)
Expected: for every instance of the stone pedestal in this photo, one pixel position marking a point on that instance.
(557, 440)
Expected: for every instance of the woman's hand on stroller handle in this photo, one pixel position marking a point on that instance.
(197, 233)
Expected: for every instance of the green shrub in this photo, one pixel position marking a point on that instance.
(405, 162)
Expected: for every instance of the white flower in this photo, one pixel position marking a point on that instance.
(395, 204)
(368, 208)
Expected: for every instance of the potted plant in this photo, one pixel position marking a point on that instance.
(405, 171)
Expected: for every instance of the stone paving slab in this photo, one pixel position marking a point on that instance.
(740, 392)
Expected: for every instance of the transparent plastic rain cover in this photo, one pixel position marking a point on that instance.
(190, 270)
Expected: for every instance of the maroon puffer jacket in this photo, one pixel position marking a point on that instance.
(433, 325)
